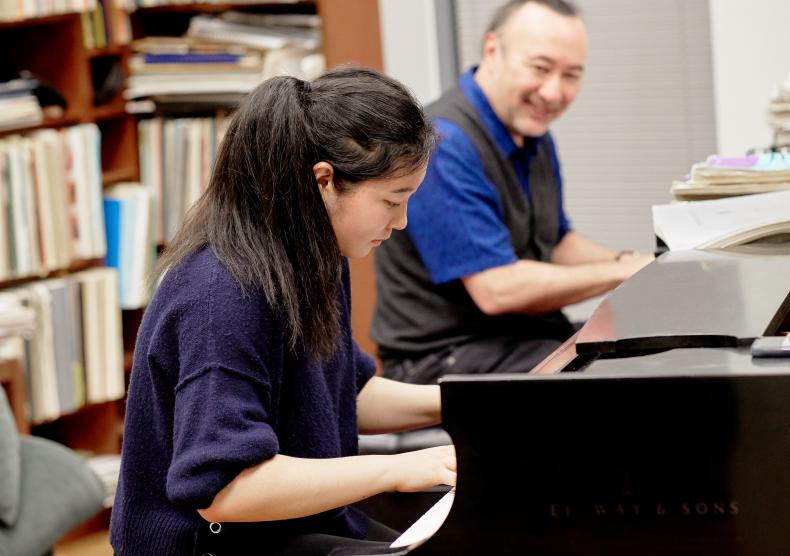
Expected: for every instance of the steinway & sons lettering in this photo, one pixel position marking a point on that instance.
(684, 509)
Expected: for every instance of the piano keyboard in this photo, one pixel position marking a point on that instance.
(424, 528)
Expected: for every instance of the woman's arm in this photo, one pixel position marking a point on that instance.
(285, 487)
(385, 405)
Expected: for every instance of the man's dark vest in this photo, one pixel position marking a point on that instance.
(414, 316)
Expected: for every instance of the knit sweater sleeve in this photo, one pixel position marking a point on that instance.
(222, 421)
(364, 365)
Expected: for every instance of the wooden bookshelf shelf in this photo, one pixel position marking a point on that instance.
(75, 266)
(128, 360)
(118, 175)
(33, 21)
(47, 123)
(84, 264)
(112, 50)
(109, 111)
(93, 427)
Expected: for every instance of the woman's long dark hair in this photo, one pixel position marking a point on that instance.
(263, 214)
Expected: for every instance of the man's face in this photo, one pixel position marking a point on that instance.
(532, 68)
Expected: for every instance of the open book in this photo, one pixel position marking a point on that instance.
(724, 223)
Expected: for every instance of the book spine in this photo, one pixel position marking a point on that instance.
(194, 58)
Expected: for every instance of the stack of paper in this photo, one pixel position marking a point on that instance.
(724, 223)
(202, 66)
(722, 176)
(779, 114)
(108, 468)
(226, 55)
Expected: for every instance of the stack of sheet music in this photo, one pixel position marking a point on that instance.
(721, 176)
(225, 55)
(750, 223)
(779, 114)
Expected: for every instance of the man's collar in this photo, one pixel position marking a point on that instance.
(491, 121)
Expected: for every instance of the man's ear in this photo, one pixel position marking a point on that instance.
(491, 44)
(324, 173)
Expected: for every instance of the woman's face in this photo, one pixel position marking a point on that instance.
(365, 215)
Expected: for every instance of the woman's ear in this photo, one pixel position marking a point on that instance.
(324, 173)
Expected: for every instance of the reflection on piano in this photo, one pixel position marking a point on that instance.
(667, 439)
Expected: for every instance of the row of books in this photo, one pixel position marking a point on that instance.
(131, 249)
(228, 54)
(726, 176)
(14, 10)
(50, 207)
(779, 114)
(176, 159)
(74, 355)
(107, 23)
(151, 3)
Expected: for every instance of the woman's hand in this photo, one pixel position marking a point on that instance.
(416, 471)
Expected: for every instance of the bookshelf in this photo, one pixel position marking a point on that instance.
(350, 31)
(54, 48)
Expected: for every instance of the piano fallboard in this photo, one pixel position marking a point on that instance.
(666, 462)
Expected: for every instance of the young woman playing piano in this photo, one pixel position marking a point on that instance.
(247, 391)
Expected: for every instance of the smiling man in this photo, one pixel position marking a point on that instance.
(477, 281)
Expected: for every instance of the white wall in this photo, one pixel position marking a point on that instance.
(751, 56)
(409, 45)
(644, 116)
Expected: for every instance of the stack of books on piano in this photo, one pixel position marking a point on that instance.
(721, 176)
(225, 57)
(779, 114)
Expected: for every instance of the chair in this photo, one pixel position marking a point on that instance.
(45, 490)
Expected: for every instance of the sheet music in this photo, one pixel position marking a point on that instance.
(721, 222)
(424, 528)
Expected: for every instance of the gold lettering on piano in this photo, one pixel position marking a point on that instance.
(703, 508)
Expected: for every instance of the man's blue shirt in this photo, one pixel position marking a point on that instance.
(455, 218)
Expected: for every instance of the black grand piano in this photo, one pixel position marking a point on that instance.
(652, 431)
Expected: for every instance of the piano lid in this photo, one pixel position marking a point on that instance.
(687, 362)
(692, 299)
